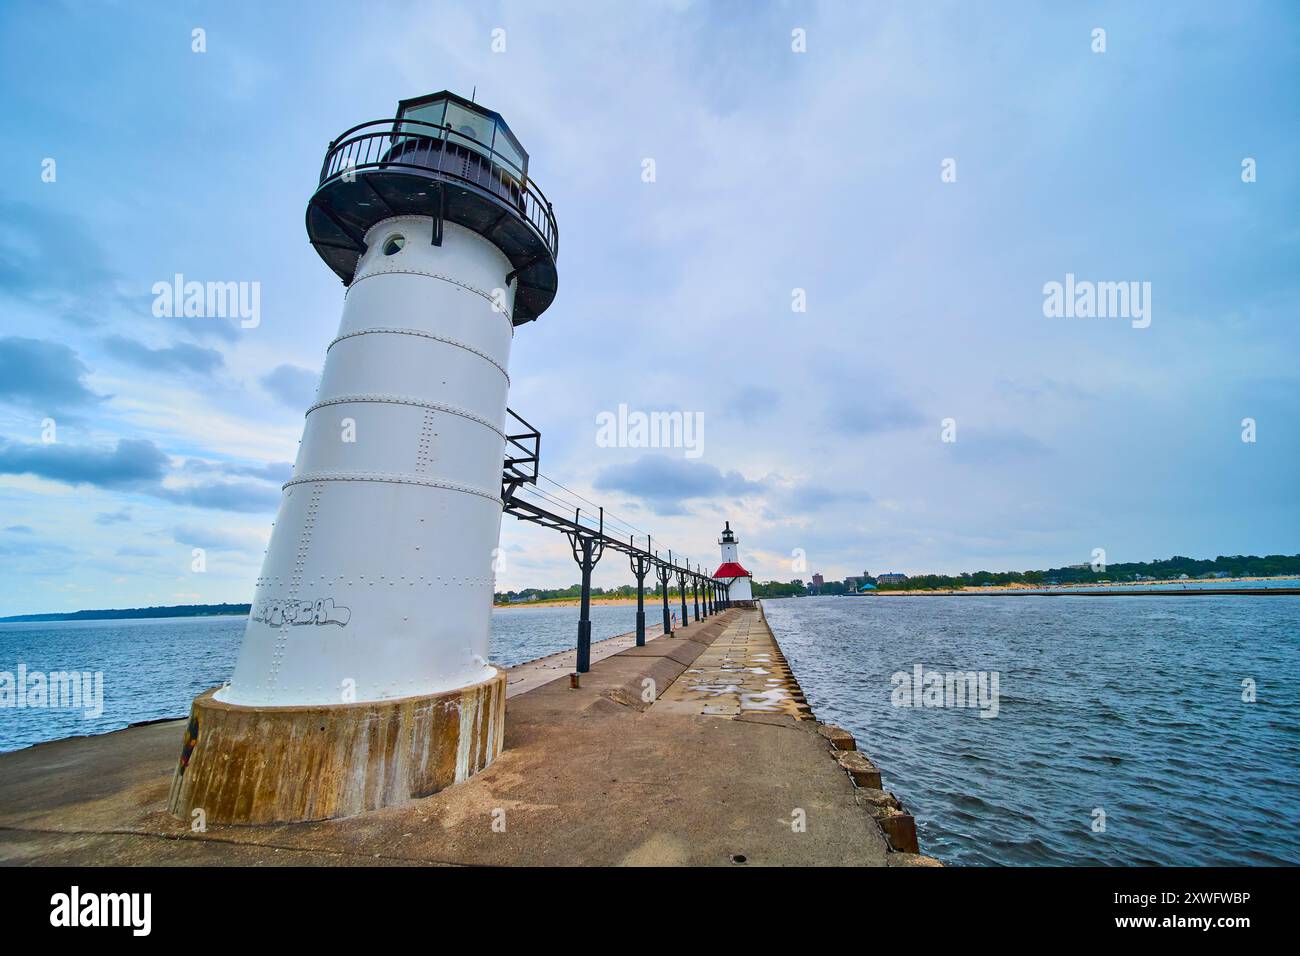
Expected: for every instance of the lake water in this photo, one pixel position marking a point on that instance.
(154, 668)
(1130, 706)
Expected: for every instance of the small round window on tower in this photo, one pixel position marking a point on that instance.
(393, 245)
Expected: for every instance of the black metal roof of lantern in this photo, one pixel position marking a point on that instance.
(446, 157)
(728, 536)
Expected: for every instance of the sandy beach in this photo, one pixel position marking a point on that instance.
(574, 602)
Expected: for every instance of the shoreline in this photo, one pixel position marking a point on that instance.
(1190, 586)
(574, 602)
(1133, 587)
(555, 602)
(1154, 592)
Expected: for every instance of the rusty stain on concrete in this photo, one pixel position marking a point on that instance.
(246, 765)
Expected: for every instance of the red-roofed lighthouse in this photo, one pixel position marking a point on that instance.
(730, 571)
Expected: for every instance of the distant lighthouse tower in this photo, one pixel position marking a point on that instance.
(363, 679)
(730, 571)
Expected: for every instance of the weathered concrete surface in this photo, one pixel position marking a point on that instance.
(289, 764)
(594, 776)
(742, 672)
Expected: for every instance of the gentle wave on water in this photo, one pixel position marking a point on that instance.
(1130, 705)
(154, 668)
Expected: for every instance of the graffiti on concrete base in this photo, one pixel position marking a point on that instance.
(191, 740)
(281, 613)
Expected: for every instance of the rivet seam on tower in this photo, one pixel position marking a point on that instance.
(403, 400)
(426, 335)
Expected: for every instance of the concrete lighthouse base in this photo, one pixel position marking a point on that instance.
(247, 765)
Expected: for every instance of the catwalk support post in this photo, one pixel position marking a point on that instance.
(587, 551)
(696, 589)
(664, 572)
(681, 584)
(640, 568)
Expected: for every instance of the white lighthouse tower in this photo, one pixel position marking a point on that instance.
(730, 571)
(363, 679)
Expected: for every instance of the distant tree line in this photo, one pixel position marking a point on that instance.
(575, 591)
(935, 582)
(1234, 566)
(776, 589)
(770, 589)
(179, 610)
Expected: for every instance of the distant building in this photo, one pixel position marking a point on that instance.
(854, 582)
(892, 577)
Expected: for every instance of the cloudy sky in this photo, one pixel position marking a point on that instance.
(775, 171)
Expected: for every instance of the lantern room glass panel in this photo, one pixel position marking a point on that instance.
(425, 113)
(508, 154)
(470, 129)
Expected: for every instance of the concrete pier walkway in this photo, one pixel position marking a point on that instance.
(696, 749)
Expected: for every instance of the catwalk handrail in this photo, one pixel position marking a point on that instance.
(382, 144)
(530, 511)
(524, 448)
